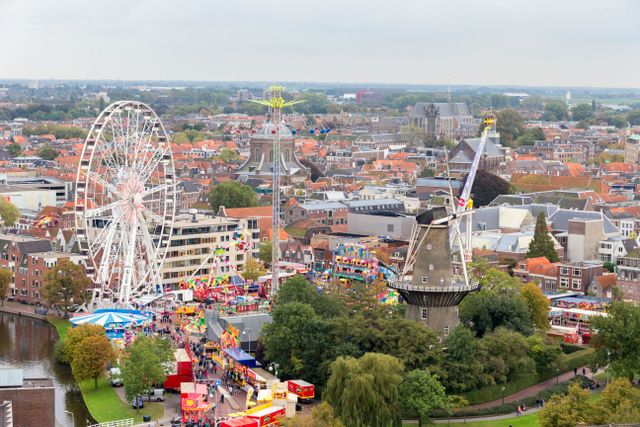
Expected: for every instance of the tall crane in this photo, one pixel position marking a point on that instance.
(464, 201)
(275, 103)
(462, 208)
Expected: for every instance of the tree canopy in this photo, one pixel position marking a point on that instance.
(8, 212)
(145, 364)
(232, 194)
(538, 305)
(618, 339)
(65, 284)
(509, 125)
(6, 277)
(581, 112)
(421, 393)
(487, 186)
(91, 357)
(542, 244)
(365, 391)
(555, 110)
(75, 336)
(47, 152)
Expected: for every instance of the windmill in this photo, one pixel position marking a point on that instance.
(428, 283)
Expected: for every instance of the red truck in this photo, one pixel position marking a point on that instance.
(304, 390)
(182, 371)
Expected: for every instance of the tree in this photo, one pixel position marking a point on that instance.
(75, 336)
(507, 355)
(542, 244)
(65, 284)
(227, 155)
(555, 110)
(463, 362)
(91, 357)
(617, 340)
(252, 269)
(146, 363)
(509, 125)
(485, 311)
(427, 172)
(619, 403)
(14, 149)
(487, 186)
(530, 136)
(609, 266)
(364, 391)
(321, 416)
(266, 252)
(538, 305)
(47, 152)
(8, 212)
(6, 277)
(297, 340)
(633, 117)
(232, 194)
(567, 411)
(581, 112)
(421, 393)
(543, 351)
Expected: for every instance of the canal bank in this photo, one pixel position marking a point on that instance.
(27, 342)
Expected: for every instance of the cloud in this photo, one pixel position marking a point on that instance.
(536, 42)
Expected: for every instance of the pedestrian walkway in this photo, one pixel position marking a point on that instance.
(474, 419)
(533, 390)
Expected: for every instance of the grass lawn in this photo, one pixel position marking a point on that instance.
(529, 420)
(61, 325)
(105, 405)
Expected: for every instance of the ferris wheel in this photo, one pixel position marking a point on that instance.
(125, 201)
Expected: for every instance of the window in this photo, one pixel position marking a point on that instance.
(431, 267)
(564, 282)
(424, 279)
(564, 271)
(429, 246)
(576, 284)
(424, 313)
(446, 330)
(577, 272)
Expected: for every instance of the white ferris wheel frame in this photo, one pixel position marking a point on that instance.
(124, 257)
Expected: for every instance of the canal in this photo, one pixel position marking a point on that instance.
(27, 343)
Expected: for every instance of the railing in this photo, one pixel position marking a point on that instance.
(119, 423)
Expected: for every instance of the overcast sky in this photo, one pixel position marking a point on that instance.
(513, 42)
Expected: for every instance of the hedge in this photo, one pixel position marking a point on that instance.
(570, 348)
(508, 408)
(494, 392)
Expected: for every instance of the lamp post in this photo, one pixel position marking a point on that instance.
(503, 388)
(273, 367)
(247, 332)
(73, 419)
(608, 356)
(557, 375)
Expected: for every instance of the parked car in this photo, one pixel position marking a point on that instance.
(137, 402)
(115, 377)
(155, 395)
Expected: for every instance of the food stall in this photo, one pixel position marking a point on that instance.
(268, 416)
(239, 422)
(193, 402)
(302, 389)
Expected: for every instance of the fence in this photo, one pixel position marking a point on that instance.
(119, 423)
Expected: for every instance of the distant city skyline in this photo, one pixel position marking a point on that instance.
(577, 43)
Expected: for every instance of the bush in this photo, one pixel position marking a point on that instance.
(570, 348)
(58, 352)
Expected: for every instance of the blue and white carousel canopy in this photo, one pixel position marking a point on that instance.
(110, 318)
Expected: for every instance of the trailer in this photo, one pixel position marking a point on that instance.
(182, 371)
(268, 416)
(301, 388)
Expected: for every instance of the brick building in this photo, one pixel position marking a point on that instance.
(32, 399)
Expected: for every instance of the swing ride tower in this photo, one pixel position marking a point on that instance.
(276, 103)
